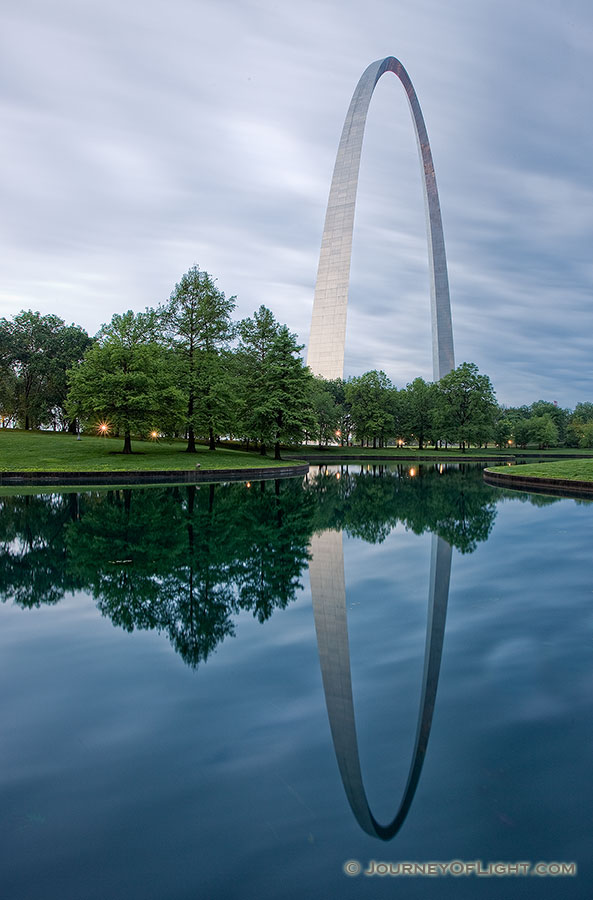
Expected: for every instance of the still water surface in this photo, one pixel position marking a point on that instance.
(180, 670)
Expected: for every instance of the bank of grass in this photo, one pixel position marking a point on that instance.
(312, 450)
(34, 451)
(357, 452)
(564, 469)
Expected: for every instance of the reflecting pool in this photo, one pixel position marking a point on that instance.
(234, 690)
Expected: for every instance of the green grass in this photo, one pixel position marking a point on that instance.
(569, 469)
(553, 451)
(34, 451)
(406, 452)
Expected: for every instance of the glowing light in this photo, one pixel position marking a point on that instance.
(154, 435)
(412, 472)
(509, 442)
(104, 428)
(337, 476)
(400, 443)
(247, 484)
(338, 433)
(441, 469)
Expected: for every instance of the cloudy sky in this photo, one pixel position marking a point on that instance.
(140, 138)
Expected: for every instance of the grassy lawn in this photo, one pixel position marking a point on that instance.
(34, 451)
(569, 469)
(406, 452)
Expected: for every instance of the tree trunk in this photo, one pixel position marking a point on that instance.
(191, 441)
(212, 442)
(127, 442)
(277, 450)
(191, 435)
(262, 449)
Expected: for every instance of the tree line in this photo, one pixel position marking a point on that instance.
(187, 369)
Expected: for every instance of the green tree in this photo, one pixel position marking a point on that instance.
(256, 414)
(370, 396)
(35, 353)
(66, 347)
(578, 428)
(419, 405)
(521, 432)
(584, 412)
(8, 395)
(559, 416)
(327, 413)
(466, 405)
(503, 430)
(337, 388)
(198, 322)
(586, 436)
(291, 389)
(126, 379)
(543, 431)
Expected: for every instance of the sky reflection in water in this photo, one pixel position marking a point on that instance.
(126, 773)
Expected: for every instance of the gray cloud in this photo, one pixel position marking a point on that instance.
(141, 138)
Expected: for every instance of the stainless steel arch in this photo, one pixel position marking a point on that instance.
(328, 591)
(328, 324)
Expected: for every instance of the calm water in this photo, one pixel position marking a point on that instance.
(180, 669)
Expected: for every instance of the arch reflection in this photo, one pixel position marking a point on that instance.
(328, 591)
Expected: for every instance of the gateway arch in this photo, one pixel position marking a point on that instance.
(328, 590)
(328, 324)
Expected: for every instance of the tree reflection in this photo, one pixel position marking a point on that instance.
(33, 553)
(185, 560)
(452, 502)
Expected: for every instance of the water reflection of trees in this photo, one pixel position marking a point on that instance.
(185, 560)
(33, 555)
(368, 501)
(180, 560)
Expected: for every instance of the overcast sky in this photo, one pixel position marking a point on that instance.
(140, 138)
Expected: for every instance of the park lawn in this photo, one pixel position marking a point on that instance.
(407, 452)
(35, 451)
(568, 469)
(403, 453)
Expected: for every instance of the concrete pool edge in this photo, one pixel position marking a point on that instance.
(559, 487)
(166, 476)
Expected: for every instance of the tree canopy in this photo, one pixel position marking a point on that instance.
(126, 381)
(35, 353)
(197, 323)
